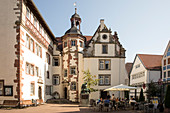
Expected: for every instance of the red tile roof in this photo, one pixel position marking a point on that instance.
(128, 67)
(152, 62)
(88, 38)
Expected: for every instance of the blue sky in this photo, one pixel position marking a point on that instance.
(143, 26)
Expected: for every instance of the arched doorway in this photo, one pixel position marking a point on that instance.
(65, 93)
(40, 92)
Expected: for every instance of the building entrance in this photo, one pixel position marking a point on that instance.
(65, 93)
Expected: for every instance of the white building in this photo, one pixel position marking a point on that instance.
(35, 64)
(146, 68)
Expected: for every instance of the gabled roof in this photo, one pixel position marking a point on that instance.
(167, 47)
(88, 38)
(151, 62)
(128, 67)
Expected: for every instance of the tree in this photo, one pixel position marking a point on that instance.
(141, 97)
(153, 90)
(90, 80)
(167, 97)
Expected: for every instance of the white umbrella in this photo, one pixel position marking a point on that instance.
(120, 87)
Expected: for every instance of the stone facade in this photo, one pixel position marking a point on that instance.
(35, 64)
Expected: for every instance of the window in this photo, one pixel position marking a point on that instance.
(101, 80)
(104, 49)
(81, 44)
(27, 68)
(32, 89)
(73, 43)
(40, 29)
(39, 52)
(48, 74)
(168, 73)
(65, 44)
(32, 70)
(107, 63)
(27, 42)
(104, 80)
(101, 64)
(56, 62)
(164, 62)
(48, 90)
(104, 36)
(48, 58)
(73, 70)
(8, 90)
(35, 21)
(168, 60)
(107, 80)
(73, 86)
(164, 74)
(28, 13)
(56, 80)
(65, 73)
(31, 45)
(1, 87)
(36, 71)
(104, 64)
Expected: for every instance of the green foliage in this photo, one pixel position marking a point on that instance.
(167, 97)
(141, 97)
(90, 80)
(153, 89)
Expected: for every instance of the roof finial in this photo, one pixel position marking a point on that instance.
(75, 5)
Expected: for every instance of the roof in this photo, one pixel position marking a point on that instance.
(167, 48)
(88, 38)
(128, 67)
(151, 62)
(75, 16)
(36, 12)
(73, 30)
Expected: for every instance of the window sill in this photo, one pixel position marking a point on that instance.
(104, 84)
(104, 69)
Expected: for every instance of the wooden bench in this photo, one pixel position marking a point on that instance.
(10, 103)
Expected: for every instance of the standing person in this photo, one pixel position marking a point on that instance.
(113, 101)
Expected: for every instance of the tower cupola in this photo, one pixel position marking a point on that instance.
(75, 20)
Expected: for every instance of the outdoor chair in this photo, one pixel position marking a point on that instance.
(107, 106)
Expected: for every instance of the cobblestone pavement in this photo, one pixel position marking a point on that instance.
(58, 108)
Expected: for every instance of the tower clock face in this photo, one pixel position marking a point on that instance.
(104, 36)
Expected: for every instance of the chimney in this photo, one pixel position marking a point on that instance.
(101, 24)
(101, 21)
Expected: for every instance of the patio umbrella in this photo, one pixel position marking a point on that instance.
(120, 87)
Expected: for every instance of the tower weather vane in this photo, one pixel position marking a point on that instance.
(75, 4)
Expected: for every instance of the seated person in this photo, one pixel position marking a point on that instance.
(100, 100)
(106, 102)
(132, 101)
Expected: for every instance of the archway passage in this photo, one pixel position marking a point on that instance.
(39, 92)
(65, 93)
